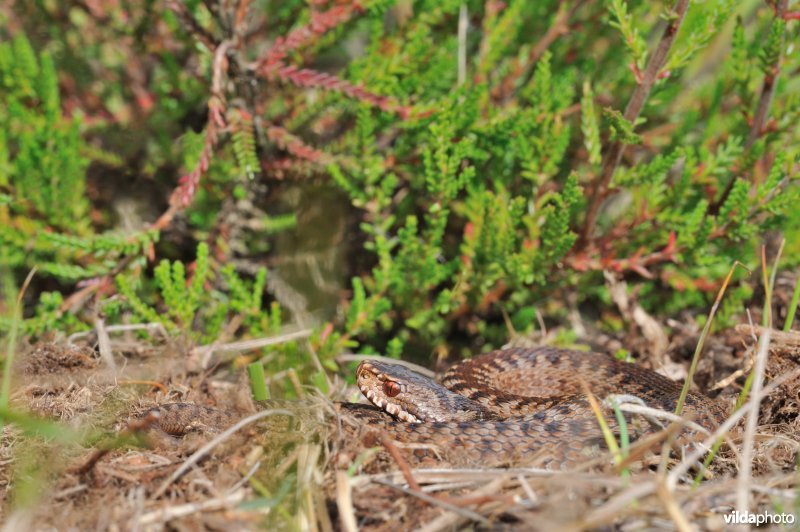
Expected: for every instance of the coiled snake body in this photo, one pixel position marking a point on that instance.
(515, 406)
(518, 406)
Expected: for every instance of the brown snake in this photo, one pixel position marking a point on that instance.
(514, 406)
(519, 406)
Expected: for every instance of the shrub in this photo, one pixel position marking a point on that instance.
(572, 138)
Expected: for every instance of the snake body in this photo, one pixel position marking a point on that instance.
(519, 406)
(514, 406)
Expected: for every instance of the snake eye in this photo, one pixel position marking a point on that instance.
(391, 388)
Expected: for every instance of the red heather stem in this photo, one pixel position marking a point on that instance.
(320, 24)
(272, 64)
(614, 153)
(295, 146)
(304, 77)
(638, 262)
(183, 195)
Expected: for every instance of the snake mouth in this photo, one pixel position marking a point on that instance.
(376, 386)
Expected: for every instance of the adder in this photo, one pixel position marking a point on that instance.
(519, 406)
(507, 407)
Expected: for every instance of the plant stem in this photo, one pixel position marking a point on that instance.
(768, 87)
(634, 108)
(792, 306)
(258, 385)
(762, 109)
(702, 341)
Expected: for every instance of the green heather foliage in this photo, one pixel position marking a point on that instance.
(200, 312)
(40, 160)
(470, 199)
(490, 231)
(45, 222)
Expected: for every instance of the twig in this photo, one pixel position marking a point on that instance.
(77, 299)
(104, 345)
(789, 339)
(655, 413)
(154, 326)
(168, 513)
(240, 19)
(68, 492)
(748, 365)
(414, 486)
(558, 28)
(344, 502)
(444, 521)
(401, 462)
(644, 444)
(632, 111)
(321, 23)
(306, 77)
(432, 475)
(188, 184)
(526, 487)
(611, 510)
(294, 145)
(636, 263)
(133, 427)
(246, 345)
(469, 514)
(746, 464)
(449, 521)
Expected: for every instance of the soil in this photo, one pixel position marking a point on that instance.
(109, 463)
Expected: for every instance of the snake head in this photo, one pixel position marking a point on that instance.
(411, 397)
(388, 387)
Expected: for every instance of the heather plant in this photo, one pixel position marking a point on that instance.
(499, 157)
(515, 190)
(45, 212)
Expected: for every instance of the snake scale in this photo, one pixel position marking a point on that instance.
(513, 406)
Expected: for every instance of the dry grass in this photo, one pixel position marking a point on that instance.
(304, 470)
